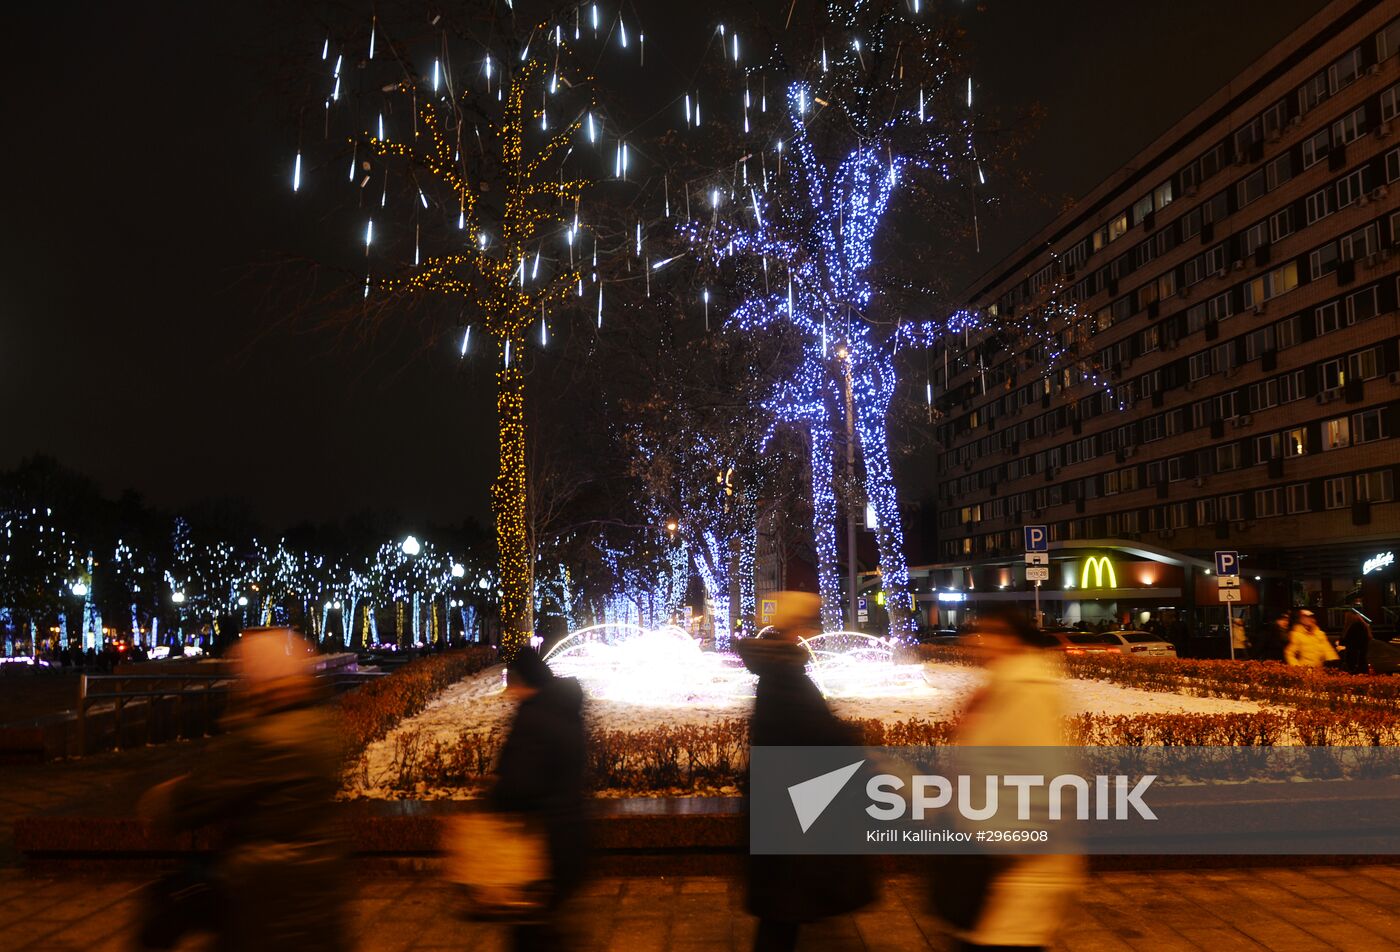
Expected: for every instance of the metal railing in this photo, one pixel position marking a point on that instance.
(124, 690)
(198, 699)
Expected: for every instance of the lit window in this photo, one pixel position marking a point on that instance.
(1336, 433)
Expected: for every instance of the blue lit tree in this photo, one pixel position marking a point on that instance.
(877, 99)
(821, 238)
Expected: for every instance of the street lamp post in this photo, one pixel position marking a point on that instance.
(853, 600)
(411, 547)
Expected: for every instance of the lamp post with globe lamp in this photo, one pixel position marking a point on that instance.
(457, 572)
(79, 589)
(411, 547)
(177, 597)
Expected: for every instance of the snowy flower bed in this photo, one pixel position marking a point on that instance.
(697, 743)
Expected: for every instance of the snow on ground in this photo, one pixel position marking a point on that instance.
(902, 692)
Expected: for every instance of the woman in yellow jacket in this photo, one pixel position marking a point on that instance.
(1308, 645)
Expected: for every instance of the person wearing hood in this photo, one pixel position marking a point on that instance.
(275, 881)
(789, 711)
(540, 776)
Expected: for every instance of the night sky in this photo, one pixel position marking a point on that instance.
(147, 208)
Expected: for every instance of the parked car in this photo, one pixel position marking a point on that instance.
(1072, 641)
(939, 636)
(1383, 657)
(1143, 644)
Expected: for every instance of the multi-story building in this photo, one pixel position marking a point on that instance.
(1229, 302)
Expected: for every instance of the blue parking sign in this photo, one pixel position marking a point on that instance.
(1227, 562)
(1037, 539)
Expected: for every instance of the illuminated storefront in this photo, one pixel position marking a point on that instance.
(1099, 581)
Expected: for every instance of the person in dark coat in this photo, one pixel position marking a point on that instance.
(789, 711)
(269, 782)
(540, 775)
(1356, 641)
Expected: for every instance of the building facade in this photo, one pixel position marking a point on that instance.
(1228, 302)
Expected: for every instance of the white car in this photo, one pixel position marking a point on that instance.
(1143, 644)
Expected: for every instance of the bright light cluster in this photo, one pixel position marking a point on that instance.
(665, 666)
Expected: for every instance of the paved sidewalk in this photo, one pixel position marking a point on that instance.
(1269, 910)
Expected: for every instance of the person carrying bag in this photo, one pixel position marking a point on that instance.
(523, 858)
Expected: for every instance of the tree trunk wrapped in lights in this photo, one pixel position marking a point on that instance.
(508, 500)
(497, 278)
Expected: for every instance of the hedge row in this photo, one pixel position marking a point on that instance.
(1266, 682)
(715, 756)
(369, 713)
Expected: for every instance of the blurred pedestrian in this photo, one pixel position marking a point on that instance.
(1274, 636)
(789, 711)
(1005, 901)
(539, 776)
(1239, 641)
(1308, 645)
(1357, 642)
(276, 877)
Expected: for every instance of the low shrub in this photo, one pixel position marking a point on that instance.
(1266, 682)
(690, 758)
(1262, 681)
(367, 714)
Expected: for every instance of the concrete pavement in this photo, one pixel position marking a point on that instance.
(1270, 910)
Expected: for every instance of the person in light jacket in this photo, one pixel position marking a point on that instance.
(1308, 645)
(1021, 704)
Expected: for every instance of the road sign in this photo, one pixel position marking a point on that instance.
(1227, 562)
(1230, 595)
(1037, 558)
(1228, 581)
(1037, 573)
(1037, 538)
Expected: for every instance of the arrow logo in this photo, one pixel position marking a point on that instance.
(810, 798)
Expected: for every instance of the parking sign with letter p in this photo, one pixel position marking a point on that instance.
(1037, 538)
(1227, 562)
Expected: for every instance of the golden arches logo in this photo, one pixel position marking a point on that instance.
(1100, 565)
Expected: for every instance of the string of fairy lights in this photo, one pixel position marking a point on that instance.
(806, 222)
(201, 584)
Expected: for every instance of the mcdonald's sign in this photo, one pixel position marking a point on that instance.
(1101, 567)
